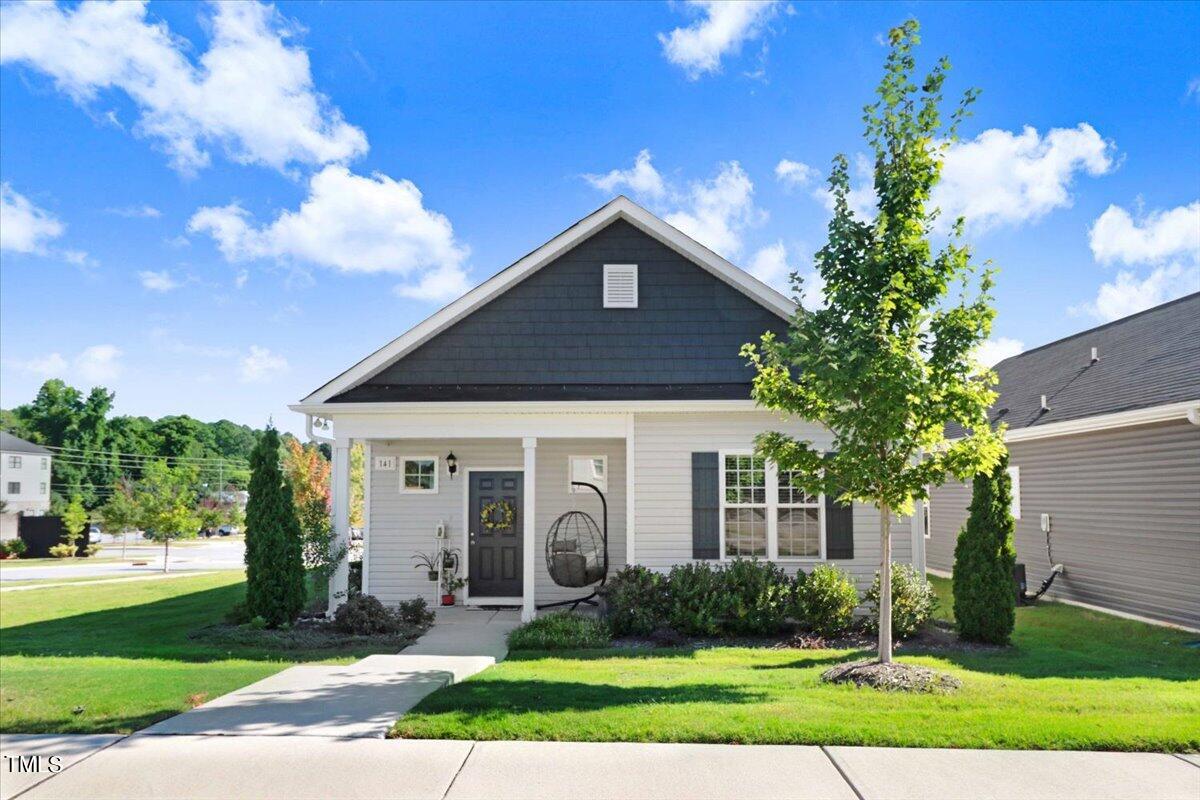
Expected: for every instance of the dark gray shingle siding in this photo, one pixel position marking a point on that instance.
(552, 328)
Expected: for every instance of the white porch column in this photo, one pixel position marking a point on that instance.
(630, 493)
(339, 581)
(529, 528)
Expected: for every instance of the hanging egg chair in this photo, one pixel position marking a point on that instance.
(577, 551)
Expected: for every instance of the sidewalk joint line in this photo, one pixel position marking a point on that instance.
(458, 772)
(1186, 760)
(842, 772)
(31, 787)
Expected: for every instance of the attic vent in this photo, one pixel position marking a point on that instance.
(620, 286)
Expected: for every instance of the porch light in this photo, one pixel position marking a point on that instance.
(451, 464)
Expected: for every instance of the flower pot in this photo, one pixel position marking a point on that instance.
(447, 599)
(433, 575)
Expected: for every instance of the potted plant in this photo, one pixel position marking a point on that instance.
(427, 562)
(450, 586)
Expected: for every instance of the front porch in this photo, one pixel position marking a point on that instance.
(418, 500)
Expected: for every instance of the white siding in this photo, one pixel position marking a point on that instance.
(663, 447)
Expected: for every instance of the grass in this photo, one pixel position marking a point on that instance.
(113, 658)
(1074, 679)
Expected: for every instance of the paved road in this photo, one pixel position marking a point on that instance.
(204, 556)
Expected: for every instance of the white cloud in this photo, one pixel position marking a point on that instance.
(47, 366)
(1117, 237)
(641, 179)
(770, 265)
(166, 343)
(158, 281)
(25, 228)
(1193, 88)
(98, 363)
(353, 224)
(260, 365)
(78, 258)
(993, 351)
(793, 174)
(1000, 178)
(718, 211)
(720, 28)
(136, 212)
(251, 93)
(1129, 294)
(242, 277)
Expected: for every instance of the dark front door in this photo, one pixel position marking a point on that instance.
(494, 557)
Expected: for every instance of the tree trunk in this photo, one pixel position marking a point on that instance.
(166, 554)
(885, 584)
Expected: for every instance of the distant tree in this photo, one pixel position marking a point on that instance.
(308, 472)
(274, 557)
(357, 483)
(75, 520)
(166, 502)
(984, 594)
(120, 512)
(61, 416)
(889, 361)
(211, 514)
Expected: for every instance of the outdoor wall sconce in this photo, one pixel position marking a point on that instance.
(451, 464)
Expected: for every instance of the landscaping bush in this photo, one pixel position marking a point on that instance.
(274, 550)
(565, 630)
(91, 550)
(365, 615)
(696, 605)
(63, 550)
(13, 547)
(637, 601)
(758, 597)
(984, 597)
(415, 612)
(825, 601)
(913, 601)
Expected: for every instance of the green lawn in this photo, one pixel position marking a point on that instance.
(1074, 679)
(116, 657)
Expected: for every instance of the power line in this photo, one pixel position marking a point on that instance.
(84, 453)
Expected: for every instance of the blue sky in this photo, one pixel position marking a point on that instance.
(212, 210)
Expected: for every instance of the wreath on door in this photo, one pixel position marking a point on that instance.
(497, 516)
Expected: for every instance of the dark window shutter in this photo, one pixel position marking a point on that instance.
(706, 506)
(839, 528)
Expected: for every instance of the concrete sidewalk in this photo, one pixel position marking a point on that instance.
(167, 767)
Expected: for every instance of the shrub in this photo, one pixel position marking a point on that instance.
(91, 550)
(415, 613)
(238, 614)
(63, 550)
(984, 597)
(565, 630)
(913, 601)
(696, 605)
(758, 597)
(274, 551)
(356, 570)
(637, 601)
(825, 600)
(365, 615)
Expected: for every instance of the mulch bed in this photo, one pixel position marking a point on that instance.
(306, 634)
(892, 677)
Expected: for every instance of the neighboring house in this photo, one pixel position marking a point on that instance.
(24, 481)
(609, 353)
(1110, 463)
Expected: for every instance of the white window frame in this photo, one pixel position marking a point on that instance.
(570, 476)
(14, 462)
(42, 488)
(45, 463)
(1014, 474)
(773, 505)
(437, 470)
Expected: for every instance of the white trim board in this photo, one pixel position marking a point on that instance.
(619, 208)
(1100, 422)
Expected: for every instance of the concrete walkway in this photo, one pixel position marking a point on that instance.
(168, 767)
(356, 700)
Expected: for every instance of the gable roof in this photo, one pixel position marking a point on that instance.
(621, 208)
(15, 444)
(1151, 358)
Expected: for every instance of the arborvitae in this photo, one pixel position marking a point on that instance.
(274, 555)
(984, 593)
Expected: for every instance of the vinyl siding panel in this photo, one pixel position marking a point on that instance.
(1125, 510)
(404, 524)
(663, 447)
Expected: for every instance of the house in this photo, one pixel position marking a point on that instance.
(611, 354)
(1104, 444)
(24, 481)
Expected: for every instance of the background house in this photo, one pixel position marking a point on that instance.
(610, 353)
(1104, 443)
(24, 481)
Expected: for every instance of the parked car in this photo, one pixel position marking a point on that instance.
(228, 530)
(95, 535)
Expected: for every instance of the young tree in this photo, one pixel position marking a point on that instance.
(274, 561)
(166, 502)
(120, 511)
(888, 361)
(74, 520)
(984, 597)
(307, 471)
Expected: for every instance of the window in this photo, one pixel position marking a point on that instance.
(14, 462)
(419, 475)
(783, 523)
(41, 488)
(1015, 474)
(620, 286)
(45, 463)
(14, 487)
(589, 469)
